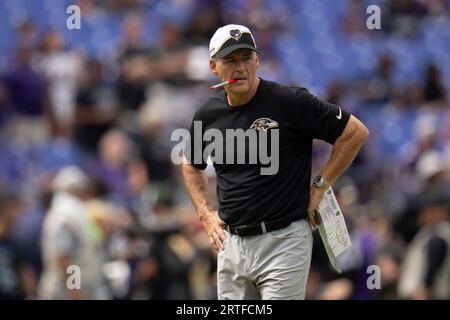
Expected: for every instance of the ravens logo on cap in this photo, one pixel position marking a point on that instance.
(235, 34)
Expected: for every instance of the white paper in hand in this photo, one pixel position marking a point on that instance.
(332, 228)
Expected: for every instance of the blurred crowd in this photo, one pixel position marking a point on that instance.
(86, 117)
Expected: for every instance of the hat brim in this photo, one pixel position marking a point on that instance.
(226, 51)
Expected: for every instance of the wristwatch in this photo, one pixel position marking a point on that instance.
(319, 182)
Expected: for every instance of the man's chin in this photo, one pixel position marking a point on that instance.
(240, 91)
(240, 87)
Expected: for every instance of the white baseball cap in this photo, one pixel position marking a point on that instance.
(230, 38)
(429, 164)
(69, 178)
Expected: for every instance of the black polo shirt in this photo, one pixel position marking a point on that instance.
(244, 194)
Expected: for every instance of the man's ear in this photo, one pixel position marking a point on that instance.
(213, 66)
(257, 60)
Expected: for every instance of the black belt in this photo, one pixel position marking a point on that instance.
(255, 229)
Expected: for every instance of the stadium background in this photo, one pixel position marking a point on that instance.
(107, 97)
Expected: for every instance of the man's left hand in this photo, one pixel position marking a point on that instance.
(315, 196)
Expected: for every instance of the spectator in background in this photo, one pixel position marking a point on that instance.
(17, 280)
(335, 92)
(141, 66)
(27, 34)
(353, 22)
(434, 91)
(141, 196)
(25, 94)
(153, 149)
(204, 23)
(426, 267)
(387, 253)
(111, 168)
(403, 16)
(91, 10)
(60, 68)
(438, 8)
(68, 238)
(379, 88)
(135, 65)
(163, 272)
(432, 174)
(96, 108)
(3, 104)
(28, 228)
(172, 55)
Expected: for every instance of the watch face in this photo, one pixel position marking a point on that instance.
(318, 181)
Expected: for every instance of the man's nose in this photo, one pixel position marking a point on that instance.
(240, 65)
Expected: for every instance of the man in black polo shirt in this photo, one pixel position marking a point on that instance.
(261, 229)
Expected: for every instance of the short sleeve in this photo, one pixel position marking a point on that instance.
(194, 146)
(318, 119)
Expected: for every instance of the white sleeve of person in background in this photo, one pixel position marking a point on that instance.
(332, 228)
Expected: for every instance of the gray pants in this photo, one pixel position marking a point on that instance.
(274, 265)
